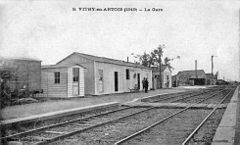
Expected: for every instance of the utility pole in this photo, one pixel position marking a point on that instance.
(196, 68)
(212, 63)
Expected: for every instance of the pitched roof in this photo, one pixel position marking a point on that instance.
(210, 75)
(18, 58)
(106, 60)
(192, 73)
(59, 66)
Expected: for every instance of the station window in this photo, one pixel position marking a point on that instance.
(75, 74)
(57, 77)
(100, 73)
(127, 74)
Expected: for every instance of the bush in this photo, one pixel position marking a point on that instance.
(5, 94)
(9, 96)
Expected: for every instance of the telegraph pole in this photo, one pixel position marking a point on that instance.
(196, 68)
(212, 63)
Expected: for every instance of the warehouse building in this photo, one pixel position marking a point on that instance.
(190, 77)
(25, 73)
(102, 75)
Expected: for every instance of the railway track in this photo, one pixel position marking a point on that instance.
(169, 96)
(187, 140)
(200, 97)
(148, 128)
(180, 97)
(63, 122)
(83, 125)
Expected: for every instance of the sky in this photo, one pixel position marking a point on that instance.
(194, 30)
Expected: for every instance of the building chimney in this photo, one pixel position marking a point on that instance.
(196, 68)
(127, 59)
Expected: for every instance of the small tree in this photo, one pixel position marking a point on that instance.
(154, 58)
(145, 59)
(167, 62)
(158, 53)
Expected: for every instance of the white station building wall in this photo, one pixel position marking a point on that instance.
(167, 78)
(105, 81)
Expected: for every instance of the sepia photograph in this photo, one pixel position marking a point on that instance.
(119, 72)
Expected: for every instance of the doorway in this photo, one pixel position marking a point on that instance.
(75, 81)
(115, 81)
(138, 80)
(199, 81)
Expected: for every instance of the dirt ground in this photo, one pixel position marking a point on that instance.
(26, 110)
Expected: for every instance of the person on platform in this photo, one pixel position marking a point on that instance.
(146, 85)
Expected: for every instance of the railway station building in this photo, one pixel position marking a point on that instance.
(99, 75)
(62, 81)
(166, 77)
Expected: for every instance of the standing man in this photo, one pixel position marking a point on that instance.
(146, 85)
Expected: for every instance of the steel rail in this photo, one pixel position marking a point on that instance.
(88, 128)
(93, 126)
(66, 122)
(63, 123)
(60, 124)
(205, 119)
(189, 97)
(169, 97)
(161, 121)
(192, 94)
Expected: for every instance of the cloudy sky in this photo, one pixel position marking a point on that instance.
(193, 30)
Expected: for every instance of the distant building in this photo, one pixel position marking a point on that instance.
(26, 73)
(166, 77)
(221, 82)
(102, 75)
(190, 77)
(210, 79)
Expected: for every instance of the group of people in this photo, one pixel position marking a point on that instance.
(145, 84)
